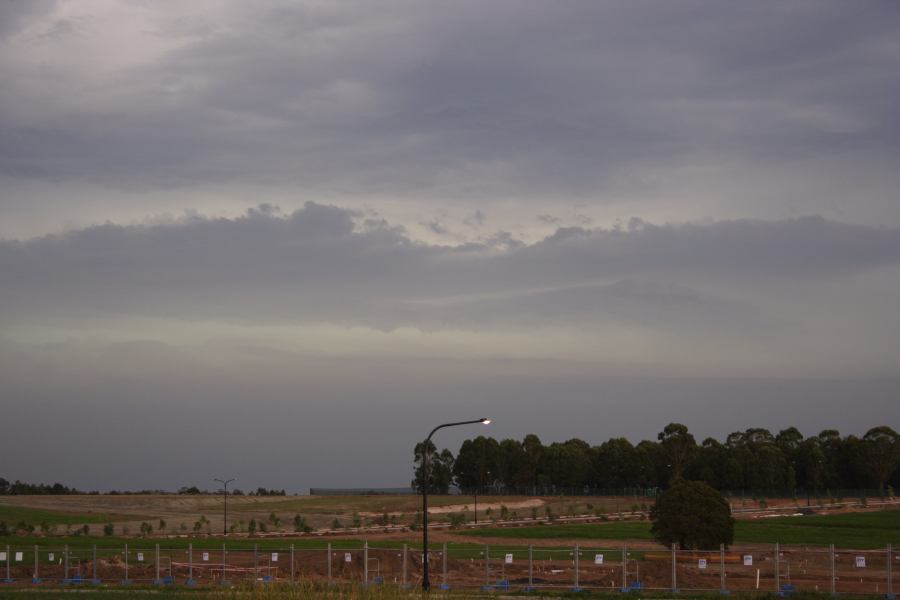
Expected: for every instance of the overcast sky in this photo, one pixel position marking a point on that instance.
(282, 240)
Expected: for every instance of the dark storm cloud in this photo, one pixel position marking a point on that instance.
(317, 264)
(473, 99)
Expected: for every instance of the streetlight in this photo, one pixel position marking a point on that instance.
(225, 483)
(426, 583)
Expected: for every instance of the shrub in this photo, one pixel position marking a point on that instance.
(146, 528)
(251, 526)
(24, 528)
(457, 519)
(300, 525)
(693, 515)
(108, 529)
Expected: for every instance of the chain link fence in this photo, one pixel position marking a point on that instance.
(751, 568)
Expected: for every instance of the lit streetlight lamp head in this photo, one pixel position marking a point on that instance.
(486, 421)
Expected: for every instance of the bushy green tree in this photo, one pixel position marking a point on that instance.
(881, 450)
(678, 446)
(440, 468)
(693, 515)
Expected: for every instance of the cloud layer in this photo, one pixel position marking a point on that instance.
(677, 112)
(755, 283)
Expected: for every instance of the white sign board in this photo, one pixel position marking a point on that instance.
(860, 562)
(274, 557)
(140, 556)
(19, 557)
(748, 560)
(206, 556)
(348, 557)
(508, 559)
(598, 559)
(701, 563)
(2, 555)
(50, 556)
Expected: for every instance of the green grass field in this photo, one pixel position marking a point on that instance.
(36, 516)
(852, 530)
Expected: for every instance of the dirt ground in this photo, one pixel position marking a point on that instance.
(180, 512)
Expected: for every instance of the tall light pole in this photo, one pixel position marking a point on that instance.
(426, 583)
(225, 483)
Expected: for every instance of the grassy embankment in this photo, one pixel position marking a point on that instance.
(36, 516)
(850, 530)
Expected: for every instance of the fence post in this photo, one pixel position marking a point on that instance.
(530, 567)
(292, 563)
(224, 565)
(444, 555)
(624, 568)
(125, 581)
(65, 568)
(35, 577)
(831, 552)
(404, 565)
(777, 573)
(366, 561)
(255, 562)
(329, 563)
(576, 588)
(190, 580)
(94, 579)
(158, 580)
(890, 582)
(487, 565)
(674, 572)
(722, 589)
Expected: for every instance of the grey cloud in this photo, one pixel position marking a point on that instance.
(316, 264)
(471, 100)
(476, 219)
(16, 14)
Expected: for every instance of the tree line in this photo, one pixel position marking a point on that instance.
(754, 460)
(21, 488)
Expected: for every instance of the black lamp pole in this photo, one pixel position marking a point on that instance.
(225, 483)
(426, 583)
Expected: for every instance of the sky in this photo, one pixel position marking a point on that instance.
(281, 241)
